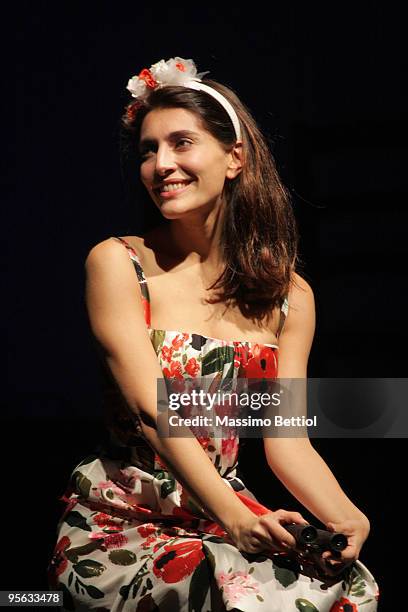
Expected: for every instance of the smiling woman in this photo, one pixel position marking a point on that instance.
(179, 133)
(164, 523)
(195, 168)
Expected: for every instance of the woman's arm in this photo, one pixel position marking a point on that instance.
(294, 460)
(113, 299)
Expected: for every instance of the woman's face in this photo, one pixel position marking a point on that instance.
(175, 148)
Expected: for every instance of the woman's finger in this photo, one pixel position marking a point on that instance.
(280, 535)
(291, 517)
(262, 534)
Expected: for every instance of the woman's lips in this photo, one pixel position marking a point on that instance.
(173, 192)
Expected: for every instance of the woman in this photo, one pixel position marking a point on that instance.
(151, 523)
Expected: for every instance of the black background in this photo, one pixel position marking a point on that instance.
(327, 86)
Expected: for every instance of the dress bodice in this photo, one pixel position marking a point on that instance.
(182, 355)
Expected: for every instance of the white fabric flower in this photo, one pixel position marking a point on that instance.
(137, 87)
(175, 71)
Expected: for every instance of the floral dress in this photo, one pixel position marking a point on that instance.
(131, 538)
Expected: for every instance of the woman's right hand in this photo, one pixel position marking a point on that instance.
(266, 532)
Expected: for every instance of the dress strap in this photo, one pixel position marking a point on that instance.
(283, 314)
(140, 277)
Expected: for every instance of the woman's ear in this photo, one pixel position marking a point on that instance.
(236, 161)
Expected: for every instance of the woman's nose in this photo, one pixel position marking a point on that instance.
(164, 160)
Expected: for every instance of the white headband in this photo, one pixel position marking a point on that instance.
(177, 71)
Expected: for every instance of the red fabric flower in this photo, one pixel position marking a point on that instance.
(132, 109)
(148, 78)
(178, 561)
(59, 561)
(344, 605)
(181, 67)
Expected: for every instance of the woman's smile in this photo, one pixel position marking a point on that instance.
(171, 191)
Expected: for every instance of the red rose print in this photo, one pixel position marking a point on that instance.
(148, 541)
(178, 561)
(157, 543)
(71, 502)
(192, 366)
(101, 519)
(112, 540)
(175, 376)
(115, 540)
(178, 341)
(175, 371)
(59, 561)
(147, 530)
(167, 353)
(155, 539)
(343, 605)
(263, 363)
(105, 521)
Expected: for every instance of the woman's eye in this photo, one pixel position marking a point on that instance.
(145, 152)
(185, 140)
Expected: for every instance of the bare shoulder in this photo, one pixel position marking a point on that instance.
(301, 294)
(134, 241)
(298, 331)
(302, 310)
(107, 252)
(112, 288)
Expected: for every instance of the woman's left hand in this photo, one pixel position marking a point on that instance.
(357, 531)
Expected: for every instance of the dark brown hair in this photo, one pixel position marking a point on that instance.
(259, 236)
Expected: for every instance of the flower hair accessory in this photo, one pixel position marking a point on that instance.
(176, 71)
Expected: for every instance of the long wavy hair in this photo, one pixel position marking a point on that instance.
(259, 236)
